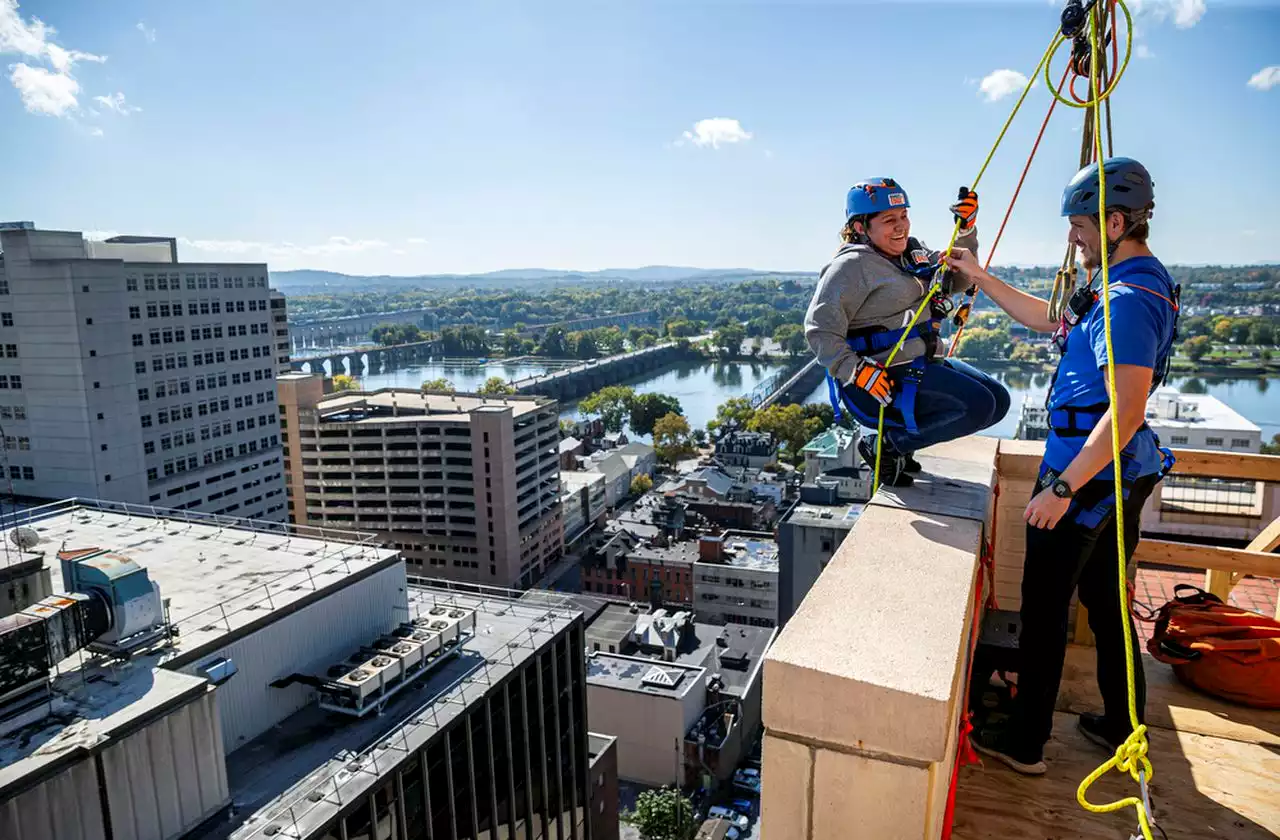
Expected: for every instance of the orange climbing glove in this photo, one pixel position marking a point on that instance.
(966, 208)
(871, 376)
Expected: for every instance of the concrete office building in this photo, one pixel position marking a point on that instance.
(582, 502)
(128, 375)
(735, 579)
(808, 537)
(467, 487)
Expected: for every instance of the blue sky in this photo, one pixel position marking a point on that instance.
(410, 137)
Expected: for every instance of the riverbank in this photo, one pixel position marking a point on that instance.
(1182, 367)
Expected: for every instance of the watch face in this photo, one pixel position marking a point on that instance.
(1060, 489)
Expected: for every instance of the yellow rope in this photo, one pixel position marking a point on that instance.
(1131, 756)
(936, 282)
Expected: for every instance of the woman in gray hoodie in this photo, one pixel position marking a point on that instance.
(865, 299)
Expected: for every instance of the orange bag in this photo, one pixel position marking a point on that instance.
(1220, 649)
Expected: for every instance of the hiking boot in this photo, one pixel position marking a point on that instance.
(999, 744)
(910, 464)
(1096, 728)
(892, 473)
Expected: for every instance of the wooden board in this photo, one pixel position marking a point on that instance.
(1203, 788)
(1192, 556)
(1170, 704)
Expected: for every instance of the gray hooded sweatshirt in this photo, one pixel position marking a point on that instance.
(859, 288)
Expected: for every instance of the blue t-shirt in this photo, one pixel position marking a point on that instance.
(1142, 326)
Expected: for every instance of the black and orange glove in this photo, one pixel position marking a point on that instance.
(966, 208)
(871, 376)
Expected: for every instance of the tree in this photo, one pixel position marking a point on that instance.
(389, 334)
(641, 484)
(733, 412)
(729, 339)
(790, 338)
(343, 382)
(757, 344)
(700, 437)
(584, 345)
(494, 386)
(822, 412)
(647, 408)
(671, 438)
(438, 384)
(786, 423)
(1197, 347)
(512, 344)
(681, 328)
(1272, 448)
(1222, 329)
(1025, 351)
(554, 344)
(984, 343)
(567, 428)
(612, 404)
(663, 814)
(1262, 332)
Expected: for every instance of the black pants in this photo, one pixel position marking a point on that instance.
(1057, 560)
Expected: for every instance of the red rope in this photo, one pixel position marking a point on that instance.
(955, 342)
(965, 753)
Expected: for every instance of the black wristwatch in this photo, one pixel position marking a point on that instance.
(1061, 489)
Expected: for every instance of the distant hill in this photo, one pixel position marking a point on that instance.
(302, 280)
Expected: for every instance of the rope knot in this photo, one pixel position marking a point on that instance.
(1133, 752)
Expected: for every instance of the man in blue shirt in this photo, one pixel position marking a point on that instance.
(1071, 523)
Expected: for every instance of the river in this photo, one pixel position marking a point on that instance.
(702, 386)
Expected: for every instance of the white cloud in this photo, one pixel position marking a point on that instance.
(147, 32)
(1001, 83)
(51, 92)
(1143, 51)
(44, 92)
(397, 251)
(1266, 78)
(1185, 13)
(115, 102)
(333, 245)
(95, 132)
(416, 240)
(715, 131)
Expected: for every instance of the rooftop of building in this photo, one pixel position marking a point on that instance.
(399, 405)
(577, 479)
(305, 768)
(1167, 408)
(640, 674)
(221, 577)
(683, 553)
(841, 515)
(742, 550)
(829, 443)
(597, 744)
(733, 651)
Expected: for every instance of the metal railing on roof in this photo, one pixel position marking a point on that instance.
(35, 514)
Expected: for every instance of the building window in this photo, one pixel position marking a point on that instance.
(11, 351)
(1240, 443)
(1213, 441)
(131, 284)
(28, 473)
(155, 336)
(6, 319)
(146, 421)
(144, 395)
(104, 447)
(88, 321)
(10, 381)
(152, 474)
(149, 447)
(92, 353)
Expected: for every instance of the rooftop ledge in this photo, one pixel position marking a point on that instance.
(862, 687)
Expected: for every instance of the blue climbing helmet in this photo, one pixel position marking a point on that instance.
(1129, 187)
(874, 195)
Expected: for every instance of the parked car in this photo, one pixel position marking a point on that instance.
(745, 807)
(747, 779)
(721, 812)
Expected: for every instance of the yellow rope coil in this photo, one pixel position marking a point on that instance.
(1131, 756)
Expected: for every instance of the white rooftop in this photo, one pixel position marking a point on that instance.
(218, 573)
(1168, 409)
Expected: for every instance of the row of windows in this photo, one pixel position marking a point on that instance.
(212, 456)
(10, 381)
(1236, 443)
(173, 309)
(179, 336)
(204, 409)
(15, 443)
(15, 412)
(25, 473)
(173, 282)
